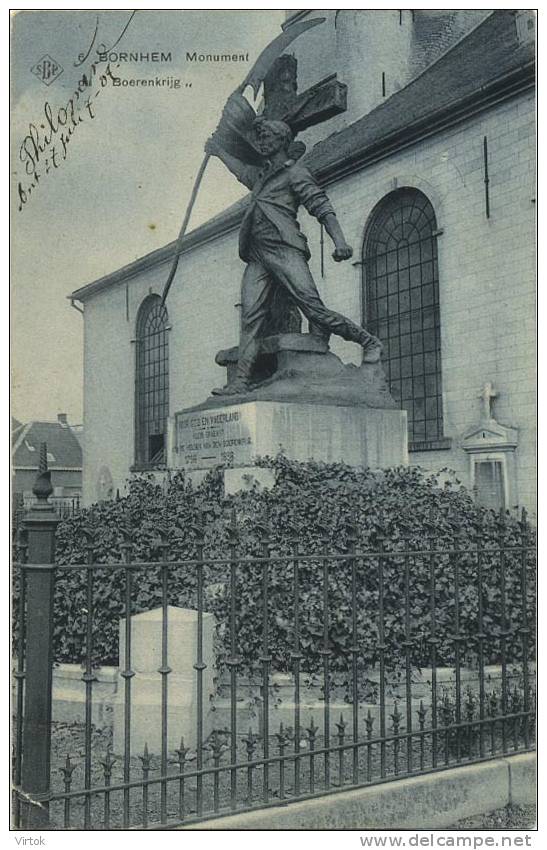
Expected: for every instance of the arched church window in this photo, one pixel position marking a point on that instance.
(151, 382)
(401, 306)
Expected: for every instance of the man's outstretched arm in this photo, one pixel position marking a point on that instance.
(318, 205)
(342, 251)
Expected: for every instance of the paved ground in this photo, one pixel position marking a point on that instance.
(512, 817)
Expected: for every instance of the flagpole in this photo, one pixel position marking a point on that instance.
(178, 244)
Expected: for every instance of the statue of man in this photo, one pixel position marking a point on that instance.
(275, 249)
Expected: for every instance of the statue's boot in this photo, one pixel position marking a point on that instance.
(239, 387)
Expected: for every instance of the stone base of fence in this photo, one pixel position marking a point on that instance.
(431, 801)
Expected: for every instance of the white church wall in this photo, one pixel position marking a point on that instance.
(203, 318)
(108, 391)
(487, 291)
(371, 72)
(486, 269)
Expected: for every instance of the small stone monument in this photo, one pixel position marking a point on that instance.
(491, 448)
(146, 690)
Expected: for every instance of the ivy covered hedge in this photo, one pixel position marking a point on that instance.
(312, 506)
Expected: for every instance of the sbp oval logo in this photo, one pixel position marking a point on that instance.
(47, 70)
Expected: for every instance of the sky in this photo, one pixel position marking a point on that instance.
(117, 185)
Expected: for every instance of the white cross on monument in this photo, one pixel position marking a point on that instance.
(487, 396)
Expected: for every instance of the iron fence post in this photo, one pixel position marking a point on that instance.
(19, 676)
(41, 524)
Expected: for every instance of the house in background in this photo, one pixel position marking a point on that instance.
(64, 456)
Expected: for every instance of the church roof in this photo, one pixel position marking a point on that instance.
(63, 449)
(479, 64)
(486, 66)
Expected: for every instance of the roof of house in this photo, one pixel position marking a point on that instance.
(63, 449)
(488, 65)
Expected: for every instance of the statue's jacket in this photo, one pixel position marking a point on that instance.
(276, 194)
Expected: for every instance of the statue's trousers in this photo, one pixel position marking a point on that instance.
(282, 265)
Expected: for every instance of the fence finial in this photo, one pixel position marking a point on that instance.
(43, 458)
(42, 486)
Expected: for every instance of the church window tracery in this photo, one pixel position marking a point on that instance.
(151, 383)
(401, 307)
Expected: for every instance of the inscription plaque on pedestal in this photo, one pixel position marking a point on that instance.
(236, 435)
(204, 439)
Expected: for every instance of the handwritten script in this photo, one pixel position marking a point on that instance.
(102, 49)
(46, 145)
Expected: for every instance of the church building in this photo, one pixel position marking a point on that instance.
(428, 157)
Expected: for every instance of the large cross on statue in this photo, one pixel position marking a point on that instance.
(313, 106)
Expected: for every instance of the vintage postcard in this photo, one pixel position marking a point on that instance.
(273, 419)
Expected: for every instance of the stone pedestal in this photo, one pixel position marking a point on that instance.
(236, 435)
(311, 406)
(146, 686)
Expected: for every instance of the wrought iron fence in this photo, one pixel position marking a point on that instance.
(408, 723)
(65, 507)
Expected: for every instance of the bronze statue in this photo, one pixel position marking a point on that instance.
(270, 241)
(262, 154)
